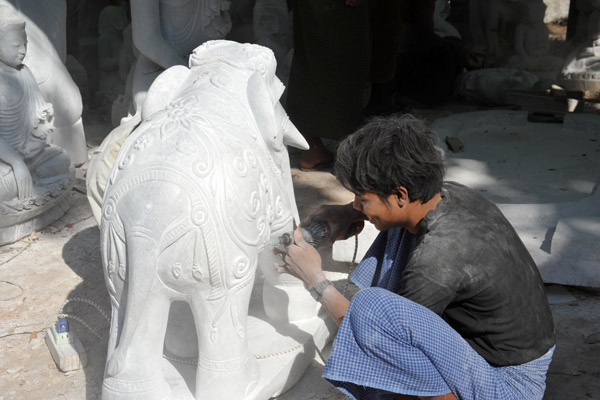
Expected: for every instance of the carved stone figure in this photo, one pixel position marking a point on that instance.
(272, 29)
(34, 175)
(46, 33)
(441, 27)
(197, 191)
(512, 33)
(581, 70)
(166, 31)
(532, 42)
(491, 22)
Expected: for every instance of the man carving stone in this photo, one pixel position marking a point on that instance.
(452, 305)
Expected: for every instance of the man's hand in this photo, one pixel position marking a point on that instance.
(342, 221)
(301, 260)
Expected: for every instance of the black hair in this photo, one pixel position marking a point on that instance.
(390, 152)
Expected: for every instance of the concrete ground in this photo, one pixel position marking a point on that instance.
(59, 269)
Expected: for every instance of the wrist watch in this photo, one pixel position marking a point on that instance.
(316, 291)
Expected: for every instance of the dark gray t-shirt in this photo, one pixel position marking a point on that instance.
(470, 267)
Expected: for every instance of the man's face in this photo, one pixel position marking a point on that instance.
(13, 47)
(384, 215)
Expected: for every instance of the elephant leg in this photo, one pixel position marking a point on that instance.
(134, 369)
(226, 369)
(114, 331)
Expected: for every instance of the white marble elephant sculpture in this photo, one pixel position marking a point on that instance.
(196, 192)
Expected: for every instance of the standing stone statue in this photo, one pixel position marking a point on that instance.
(165, 32)
(46, 32)
(272, 25)
(35, 177)
(197, 193)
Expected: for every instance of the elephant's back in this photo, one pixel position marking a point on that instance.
(217, 158)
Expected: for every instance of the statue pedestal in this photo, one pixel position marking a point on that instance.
(15, 225)
(283, 352)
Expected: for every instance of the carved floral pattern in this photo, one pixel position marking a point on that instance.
(177, 117)
(142, 142)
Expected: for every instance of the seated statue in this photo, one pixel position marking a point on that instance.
(31, 170)
(46, 32)
(532, 42)
(581, 71)
(512, 33)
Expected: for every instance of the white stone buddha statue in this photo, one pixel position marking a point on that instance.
(581, 71)
(25, 118)
(46, 32)
(30, 168)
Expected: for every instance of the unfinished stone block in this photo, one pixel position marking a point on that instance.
(577, 238)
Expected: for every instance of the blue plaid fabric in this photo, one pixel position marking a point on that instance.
(391, 249)
(388, 344)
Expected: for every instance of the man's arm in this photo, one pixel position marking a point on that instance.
(335, 303)
(304, 262)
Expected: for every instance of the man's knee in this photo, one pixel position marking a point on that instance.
(378, 302)
(375, 310)
(366, 302)
(379, 310)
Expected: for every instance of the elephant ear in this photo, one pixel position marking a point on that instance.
(273, 123)
(263, 110)
(163, 90)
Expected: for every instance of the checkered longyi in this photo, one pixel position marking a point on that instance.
(388, 344)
